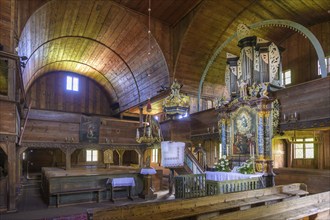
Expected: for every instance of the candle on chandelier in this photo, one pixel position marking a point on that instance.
(137, 133)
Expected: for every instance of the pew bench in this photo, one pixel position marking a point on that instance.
(199, 207)
(315, 206)
(79, 191)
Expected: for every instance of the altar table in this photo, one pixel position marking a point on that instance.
(121, 182)
(223, 176)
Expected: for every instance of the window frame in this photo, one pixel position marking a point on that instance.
(327, 65)
(285, 77)
(154, 155)
(72, 83)
(92, 156)
(303, 144)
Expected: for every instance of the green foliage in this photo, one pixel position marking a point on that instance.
(222, 164)
(247, 167)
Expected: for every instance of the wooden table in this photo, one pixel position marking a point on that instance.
(121, 182)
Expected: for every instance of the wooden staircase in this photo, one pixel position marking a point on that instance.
(191, 165)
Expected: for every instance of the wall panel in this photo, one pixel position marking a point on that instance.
(49, 93)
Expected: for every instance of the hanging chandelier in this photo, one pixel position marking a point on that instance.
(150, 132)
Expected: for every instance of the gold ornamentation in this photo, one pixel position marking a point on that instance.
(176, 103)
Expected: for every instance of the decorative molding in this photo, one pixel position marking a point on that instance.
(8, 138)
(113, 146)
(317, 123)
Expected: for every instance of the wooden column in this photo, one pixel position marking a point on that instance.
(19, 159)
(11, 153)
(261, 140)
(68, 152)
(171, 182)
(224, 137)
(121, 154)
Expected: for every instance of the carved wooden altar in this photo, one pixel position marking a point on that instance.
(249, 117)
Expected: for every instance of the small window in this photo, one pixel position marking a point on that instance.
(154, 156)
(327, 65)
(91, 155)
(72, 83)
(304, 148)
(287, 77)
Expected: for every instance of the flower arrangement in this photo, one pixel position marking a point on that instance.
(222, 164)
(247, 167)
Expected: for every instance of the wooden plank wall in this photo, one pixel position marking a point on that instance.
(299, 50)
(60, 127)
(7, 117)
(310, 100)
(49, 93)
(201, 121)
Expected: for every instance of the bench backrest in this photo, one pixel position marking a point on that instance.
(296, 208)
(141, 209)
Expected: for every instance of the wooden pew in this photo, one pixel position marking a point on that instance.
(203, 206)
(315, 206)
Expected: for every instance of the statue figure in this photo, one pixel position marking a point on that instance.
(242, 88)
(264, 92)
(254, 89)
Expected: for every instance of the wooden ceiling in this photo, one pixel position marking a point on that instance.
(109, 42)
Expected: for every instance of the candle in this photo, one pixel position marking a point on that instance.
(215, 151)
(137, 133)
(220, 151)
(250, 150)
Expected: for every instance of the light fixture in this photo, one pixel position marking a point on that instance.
(150, 131)
(292, 117)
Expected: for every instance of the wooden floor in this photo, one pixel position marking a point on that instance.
(31, 206)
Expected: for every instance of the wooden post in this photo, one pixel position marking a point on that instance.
(11, 153)
(68, 152)
(121, 154)
(171, 181)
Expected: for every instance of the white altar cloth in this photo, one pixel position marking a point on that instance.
(223, 176)
(124, 181)
(148, 171)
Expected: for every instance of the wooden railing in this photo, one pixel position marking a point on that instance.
(228, 186)
(196, 185)
(192, 162)
(190, 186)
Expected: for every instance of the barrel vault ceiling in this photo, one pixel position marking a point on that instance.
(108, 41)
